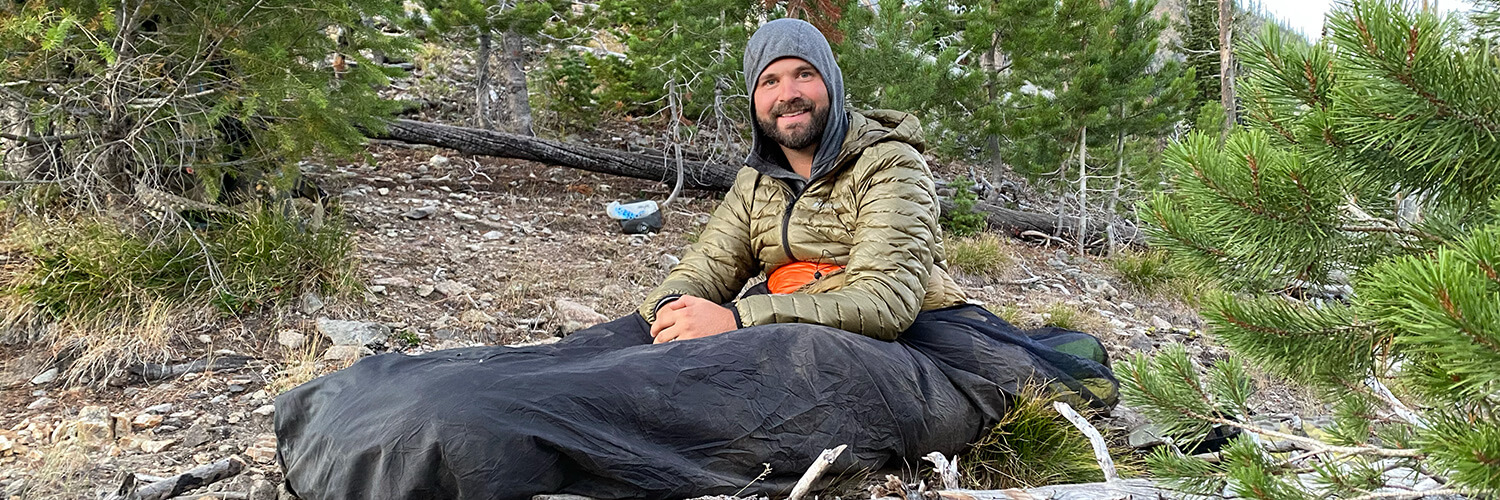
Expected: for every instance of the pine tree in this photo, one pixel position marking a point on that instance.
(1356, 221)
(103, 95)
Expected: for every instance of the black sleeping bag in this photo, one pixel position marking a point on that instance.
(606, 414)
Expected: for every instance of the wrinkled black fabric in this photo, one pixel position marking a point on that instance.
(606, 414)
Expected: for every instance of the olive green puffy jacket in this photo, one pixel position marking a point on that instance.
(875, 212)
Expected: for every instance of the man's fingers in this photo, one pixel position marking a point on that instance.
(666, 335)
(662, 323)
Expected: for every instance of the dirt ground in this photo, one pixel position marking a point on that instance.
(460, 251)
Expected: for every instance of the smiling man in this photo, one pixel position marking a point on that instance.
(703, 392)
(836, 207)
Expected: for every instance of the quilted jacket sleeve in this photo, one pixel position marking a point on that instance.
(888, 267)
(720, 263)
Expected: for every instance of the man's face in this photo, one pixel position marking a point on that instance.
(791, 103)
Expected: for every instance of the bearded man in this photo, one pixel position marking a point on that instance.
(858, 337)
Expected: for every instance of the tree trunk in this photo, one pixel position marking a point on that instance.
(654, 166)
(513, 62)
(1226, 62)
(482, 115)
(1083, 185)
(1114, 194)
(990, 63)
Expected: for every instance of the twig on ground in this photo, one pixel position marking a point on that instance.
(819, 466)
(1026, 281)
(1101, 449)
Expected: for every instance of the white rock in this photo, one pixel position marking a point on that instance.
(291, 339)
(346, 353)
(39, 403)
(395, 281)
(668, 261)
(437, 160)
(425, 290)
(357, 333)
(45, 377)
(157, 446)
(1126, 306)
(572, 316)
(475, 316)
(383, 191)
(494, 235)
(1160, 324)
(265, 411)
(465, 217)
(453, 288)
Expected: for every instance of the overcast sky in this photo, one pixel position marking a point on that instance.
(1307, 15)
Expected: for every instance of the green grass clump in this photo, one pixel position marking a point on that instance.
(95, 268)
(1033, 446)
(978, 255)
(1068, 317)
(1151, 273)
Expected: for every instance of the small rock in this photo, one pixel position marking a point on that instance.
(452, 288)
(494, 235)
(395, 281)
(205, 339)
(668, 261)
(263, 450)
(311, 302)
(377, 289)
(572, 316)
(94, 426)
(6, 445)
(346, 353)
(291, 339)
(420, 213)
(157, 446)
(1160, 324)
(355, 333)
(383, 191)
(1141, 343)
(236, 388)
(437, 160)
(161, 409)
(425, 290)
(477, 317)
(145, 421)
(265, 411)
(1126, 306)
(45, 377)
(465, 217)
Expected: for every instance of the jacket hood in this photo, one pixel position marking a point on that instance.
(780, 39)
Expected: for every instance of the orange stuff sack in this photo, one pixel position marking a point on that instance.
(792, 277)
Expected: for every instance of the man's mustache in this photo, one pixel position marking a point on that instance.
(792, 106)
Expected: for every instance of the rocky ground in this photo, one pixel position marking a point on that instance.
(458, 251)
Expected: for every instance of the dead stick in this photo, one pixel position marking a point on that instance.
(819, 466)
(1101, 450)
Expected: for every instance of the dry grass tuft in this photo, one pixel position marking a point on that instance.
(298, 367)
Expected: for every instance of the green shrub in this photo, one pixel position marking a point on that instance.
(95, 269)
(1033, 446)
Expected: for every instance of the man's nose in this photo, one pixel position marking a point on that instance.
(789, 93)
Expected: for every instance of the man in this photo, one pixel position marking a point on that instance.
(690, 397)
(845, 194)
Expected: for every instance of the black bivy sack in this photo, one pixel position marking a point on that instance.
(606, 414)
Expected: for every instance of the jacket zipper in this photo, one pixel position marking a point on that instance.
(786, 223)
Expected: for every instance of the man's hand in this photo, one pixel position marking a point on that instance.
(690, 317)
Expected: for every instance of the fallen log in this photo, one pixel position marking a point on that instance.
(697, 175)
(1124, 489)
(198, 477)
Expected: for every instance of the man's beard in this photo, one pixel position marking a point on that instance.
(797, 138)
